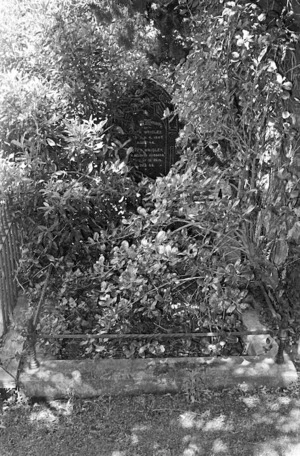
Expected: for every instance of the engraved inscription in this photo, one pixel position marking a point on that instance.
(140, 115)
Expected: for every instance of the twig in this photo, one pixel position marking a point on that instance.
(9, 373)
(268, 301)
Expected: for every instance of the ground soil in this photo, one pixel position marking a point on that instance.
(228, 423)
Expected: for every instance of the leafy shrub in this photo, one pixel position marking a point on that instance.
(146, 270)
(26, 110)
(181, 251)
(238, 92)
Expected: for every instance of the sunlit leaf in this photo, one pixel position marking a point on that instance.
(280, 252)
(50, 142)
(294, 232)
(249, 210)
(161, 236)
(17, 143)
(287, 85)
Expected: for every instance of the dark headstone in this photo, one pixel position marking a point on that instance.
(140, 115)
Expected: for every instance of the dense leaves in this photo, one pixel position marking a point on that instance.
(236, 98)
(179, 252)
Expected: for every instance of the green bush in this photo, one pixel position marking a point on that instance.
(180, 250)
(162, 264)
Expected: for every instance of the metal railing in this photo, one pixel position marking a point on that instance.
(9, 258)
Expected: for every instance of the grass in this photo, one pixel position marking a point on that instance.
(226, 423)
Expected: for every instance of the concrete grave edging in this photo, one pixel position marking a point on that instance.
(90, 378)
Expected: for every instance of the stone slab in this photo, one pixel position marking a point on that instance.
(92, 378)
(258, 344)
(13, 343)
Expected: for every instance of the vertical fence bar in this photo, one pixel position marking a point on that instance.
(3, 268)
(15, 244)
(9, 278)
(9, 258)
(10, 264)
(7, 263)
(2, 292)
(3, 317)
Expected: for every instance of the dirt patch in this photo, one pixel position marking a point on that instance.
(226, 423)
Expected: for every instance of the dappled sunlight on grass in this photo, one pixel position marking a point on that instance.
(49, 416)
(268, 418)
(251, 401)
(192, 450)
(189, 420)
(287, 400)
(135, 438)
(294, 450)
(290, 423)
(278, 447)
(219, 424)
(219, 447)
(62, 407)
(45, 417)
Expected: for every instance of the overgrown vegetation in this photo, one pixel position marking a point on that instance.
(177, 253)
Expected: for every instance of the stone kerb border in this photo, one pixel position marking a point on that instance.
(91, 378)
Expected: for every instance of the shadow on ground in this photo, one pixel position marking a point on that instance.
(227, 423)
